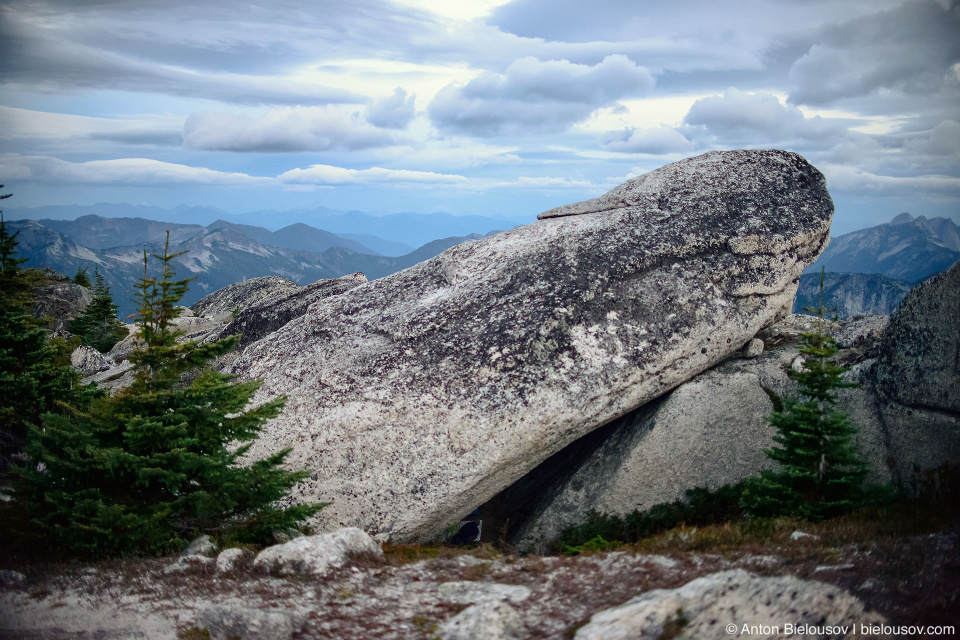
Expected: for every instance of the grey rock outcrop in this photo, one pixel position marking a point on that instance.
(61, 302)
(708, 608)
(918, 380)
(316, 554)
(417, 397)
(88, 361)
(919, 360)
(267, 315)
(221, 303)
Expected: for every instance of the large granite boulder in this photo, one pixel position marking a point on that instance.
(416, 397)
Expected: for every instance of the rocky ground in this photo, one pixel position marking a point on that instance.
(415, 592)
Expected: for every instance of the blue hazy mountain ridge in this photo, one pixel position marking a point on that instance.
(410, 229)
(906, 248)
(217, 256)
(384, 247)
(296, 236)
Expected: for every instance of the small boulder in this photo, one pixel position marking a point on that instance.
(228, 559)
(487, 620)
(802, 535)
(225, 622)
(88, 361)
(753, 348)
(184, 564)
(10, 578)
(316, 554)
(201, 546)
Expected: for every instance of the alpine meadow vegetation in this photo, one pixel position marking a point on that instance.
(144, 470)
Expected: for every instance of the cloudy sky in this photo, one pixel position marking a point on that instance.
(491, 107)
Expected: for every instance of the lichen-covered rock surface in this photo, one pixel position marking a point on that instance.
(241, 295)
(735, 603)
(919, 360)
(416, 397)
(918, 379)
(269, 314)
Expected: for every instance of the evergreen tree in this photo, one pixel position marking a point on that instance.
(147, 468)
(821, 474)
(81, 277)
(32, 382)
(98, 324)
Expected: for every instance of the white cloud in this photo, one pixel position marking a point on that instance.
(658, 141)
(536, 96)
(283, 129)
(393, 112)
(161, 130)
(124, 171)
(845, 178)
(757, 118)
(324, 174)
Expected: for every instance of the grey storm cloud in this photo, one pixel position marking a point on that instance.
(534, 96)
(393, 112)
(911, 49)
(283, 129)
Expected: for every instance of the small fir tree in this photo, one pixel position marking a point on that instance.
(151, 466)
(81, 278)
(32, 379)
(98, 324)
(821, 474)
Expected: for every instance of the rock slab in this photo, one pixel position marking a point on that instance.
(709, 608)
(414, 398)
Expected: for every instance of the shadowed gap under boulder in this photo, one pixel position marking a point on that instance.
(506, 513)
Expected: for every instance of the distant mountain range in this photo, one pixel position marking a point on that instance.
(218, 255)
(392, 235)
(871, 270)
(906, 248)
